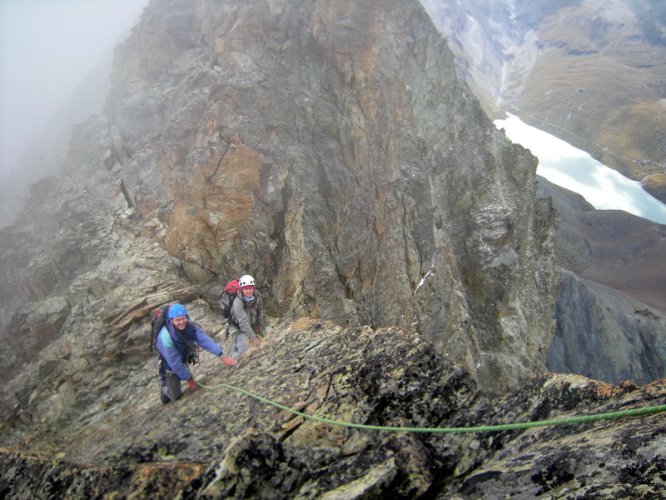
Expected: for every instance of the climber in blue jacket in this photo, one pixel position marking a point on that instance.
(177, 343)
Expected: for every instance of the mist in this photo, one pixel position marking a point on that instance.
(47, 49)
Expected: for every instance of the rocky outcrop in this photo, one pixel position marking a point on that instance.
(338, 159)
(327, 148)
(333, 160)
(219, 442)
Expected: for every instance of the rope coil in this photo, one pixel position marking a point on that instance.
(648, 410)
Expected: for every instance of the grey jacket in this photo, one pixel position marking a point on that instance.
(249, 317)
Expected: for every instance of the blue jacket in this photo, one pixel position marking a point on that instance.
(173, 347)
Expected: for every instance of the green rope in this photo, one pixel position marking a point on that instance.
(481, 428)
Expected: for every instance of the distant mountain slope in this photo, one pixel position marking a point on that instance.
(611, 247)
(591, 72)
(600, 81)
(611, 310)
(49, 148)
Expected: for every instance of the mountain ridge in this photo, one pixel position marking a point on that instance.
(329, 150)
(230, 445)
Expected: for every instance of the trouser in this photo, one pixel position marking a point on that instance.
(240, 341)
(170, 389)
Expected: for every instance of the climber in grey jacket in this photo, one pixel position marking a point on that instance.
(247, 316)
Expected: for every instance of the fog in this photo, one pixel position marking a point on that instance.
(47, 48)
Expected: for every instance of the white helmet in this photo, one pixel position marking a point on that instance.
(246, 280)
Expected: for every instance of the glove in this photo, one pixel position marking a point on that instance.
(192, 385)
(228, 361)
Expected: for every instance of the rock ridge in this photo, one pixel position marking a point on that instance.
(228, 445)
(338, 159)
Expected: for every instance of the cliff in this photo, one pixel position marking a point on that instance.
(221, 443)
(328, 149)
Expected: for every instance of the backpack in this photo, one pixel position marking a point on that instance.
(227, 297)
(157, 321)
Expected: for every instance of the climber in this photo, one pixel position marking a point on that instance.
(177, 343)
(246, 321)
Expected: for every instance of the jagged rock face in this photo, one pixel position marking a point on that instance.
(221, 443)
(148, 204)
(328, 149)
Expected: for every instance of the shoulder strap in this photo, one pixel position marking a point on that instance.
(174, 331)
(232, 315)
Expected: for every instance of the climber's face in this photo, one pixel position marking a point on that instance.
(180, 322)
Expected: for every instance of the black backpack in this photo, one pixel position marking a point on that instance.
(227, 298)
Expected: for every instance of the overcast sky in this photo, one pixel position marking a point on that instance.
(47, 47)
